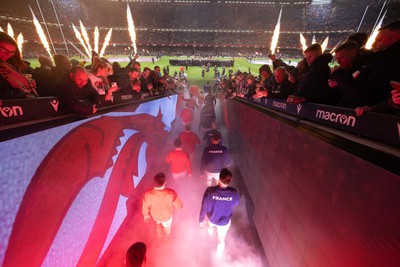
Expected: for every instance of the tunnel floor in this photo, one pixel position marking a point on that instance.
(189, 245)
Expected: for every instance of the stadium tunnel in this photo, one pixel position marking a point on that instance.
(311, 195)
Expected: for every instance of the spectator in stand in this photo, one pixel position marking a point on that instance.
(217, 208)
(76, 92)
(13, 83)
(63, 66)
(361, 39)
(132, 64)
(189, 140)
(160, 203)
(313, 84)
(280, 88)
(210, 133)
(145, 83)
(372, 84)
(391, 106)
(349, 60)
(264, 82)
(98, 78)
(130, 83)
(116, 72)
(156, 79)
(42, 75)
(186, 115)
(250, 88)
(240, 83)
(179, 161)
(136, 255)
(265, 77)
(215, 157)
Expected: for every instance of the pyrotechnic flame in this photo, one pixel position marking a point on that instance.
(324, 44)
(303, 42)
(85, 36)
(131, 28)
(313, 41)
(41, 34)
(374, 33)
(275, 37)
(10, 30)
(20, 42)
(79, 36)
(96, 39)
(1, 29)
(106, 42)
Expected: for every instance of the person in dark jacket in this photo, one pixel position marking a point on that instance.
(280, 88)
(313, 84)
(372, 84)
(76, 92)
(348, 57)
(129, 83)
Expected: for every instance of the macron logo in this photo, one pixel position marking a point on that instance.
(299, 107)
(54, 104)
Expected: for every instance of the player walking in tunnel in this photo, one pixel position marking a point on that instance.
(217, 208)
(160, 202)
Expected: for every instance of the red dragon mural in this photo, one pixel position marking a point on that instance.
(85, 152)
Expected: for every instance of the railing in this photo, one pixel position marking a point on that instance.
(27, 114)
(377, 126)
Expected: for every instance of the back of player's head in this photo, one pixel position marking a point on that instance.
(159, 179)
(215, 138)
(225, 176)
(188, 127)
(136, 255)
(177, 142)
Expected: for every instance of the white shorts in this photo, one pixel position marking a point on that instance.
(165, 224)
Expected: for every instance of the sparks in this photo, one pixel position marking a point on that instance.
(106, 42)
(20, 42)
(79, 36)
(313, 41)
(41, 34)
(324, 44)
(131, 28)
(303, 42)
(275, 37)
(10, 30)
(85, 36)
(96, 39)
(374, 33)
(1, 29)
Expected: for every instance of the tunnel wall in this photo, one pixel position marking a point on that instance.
(63, 191)
(315, 204)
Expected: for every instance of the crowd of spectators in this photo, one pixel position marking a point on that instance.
(364, 80)
(207, 32)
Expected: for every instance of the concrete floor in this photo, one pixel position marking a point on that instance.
(190, 245)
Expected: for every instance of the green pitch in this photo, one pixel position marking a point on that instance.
(193, 73)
